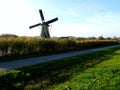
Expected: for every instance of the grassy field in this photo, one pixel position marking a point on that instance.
(102, 76)
(94, 71)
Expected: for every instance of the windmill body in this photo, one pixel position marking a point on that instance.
(45, 32)
(45, 26)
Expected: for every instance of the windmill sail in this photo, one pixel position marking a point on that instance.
(41, 15)
(34, 25)
(51, 21)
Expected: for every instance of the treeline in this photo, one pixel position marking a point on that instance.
(97, 38)
(29, 46)
(8, 36)
(67, 37)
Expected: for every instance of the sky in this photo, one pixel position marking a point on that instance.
(79, 18)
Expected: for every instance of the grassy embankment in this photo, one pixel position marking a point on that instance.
(94, 71)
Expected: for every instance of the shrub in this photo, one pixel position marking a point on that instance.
(67, 45)
(4, 46)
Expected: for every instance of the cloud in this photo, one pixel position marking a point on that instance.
(105, 18)
(103, 23)
(71, 12)
(74, 29)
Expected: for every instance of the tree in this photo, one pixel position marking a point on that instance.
(100, 38)
(91, 38)
(8, 35)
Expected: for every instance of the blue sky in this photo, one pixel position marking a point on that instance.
(80, 18)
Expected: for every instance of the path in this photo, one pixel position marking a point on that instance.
(32, 61)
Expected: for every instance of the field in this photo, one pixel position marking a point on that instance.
(94, 71)
(102, 76)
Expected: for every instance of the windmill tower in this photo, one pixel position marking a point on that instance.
(45, 25)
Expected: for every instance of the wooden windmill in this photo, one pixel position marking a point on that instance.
(45, 25)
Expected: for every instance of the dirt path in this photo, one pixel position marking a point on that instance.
(32, 61)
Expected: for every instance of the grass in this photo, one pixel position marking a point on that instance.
(94, 71)
(103, 76)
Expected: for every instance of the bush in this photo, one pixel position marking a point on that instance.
(66, 45)
(18, 46)
(4, 46)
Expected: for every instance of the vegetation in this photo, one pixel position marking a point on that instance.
(23, 46)
(94, 71)
(8, 36)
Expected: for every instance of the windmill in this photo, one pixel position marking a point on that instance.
(45, 25)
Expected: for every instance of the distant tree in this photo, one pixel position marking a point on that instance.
(114, 38)
(80, 38)
(100, 38)
(91, 38)
(71, 37)
(108, 38)
(8, 35)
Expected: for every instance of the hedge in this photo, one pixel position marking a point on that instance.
(22, 46)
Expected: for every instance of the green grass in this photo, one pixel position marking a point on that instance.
(103, 76)
(94, 71)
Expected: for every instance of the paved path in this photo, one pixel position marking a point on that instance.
(31, 61)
